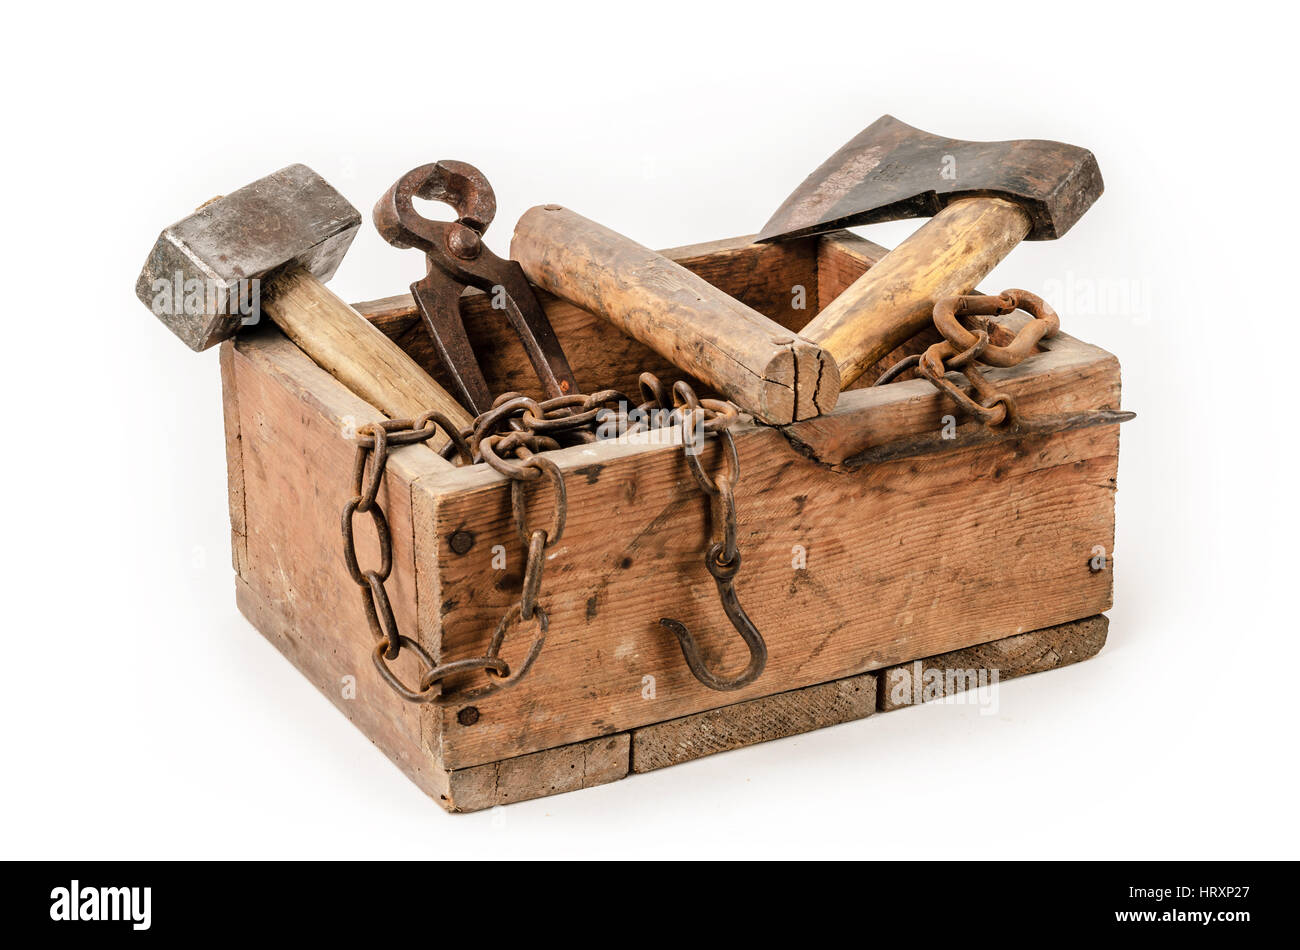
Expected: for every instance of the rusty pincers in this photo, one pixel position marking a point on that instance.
(458, 259)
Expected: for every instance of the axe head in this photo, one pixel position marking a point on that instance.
(891, 171)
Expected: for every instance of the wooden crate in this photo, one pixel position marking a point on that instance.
(904, 559)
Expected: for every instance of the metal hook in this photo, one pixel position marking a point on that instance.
(723, 575)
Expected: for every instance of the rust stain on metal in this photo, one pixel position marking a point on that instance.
(457, 259)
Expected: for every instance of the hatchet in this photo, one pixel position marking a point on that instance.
(984, 198)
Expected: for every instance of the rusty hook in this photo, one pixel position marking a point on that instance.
(723, 576)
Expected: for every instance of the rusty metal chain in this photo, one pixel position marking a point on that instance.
(722, 558)
(509, 438)
(961, 349)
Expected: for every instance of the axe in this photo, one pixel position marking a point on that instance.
(983, 198)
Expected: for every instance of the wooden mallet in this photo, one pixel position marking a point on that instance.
(266, 248)
(984, 198)
(755, 362)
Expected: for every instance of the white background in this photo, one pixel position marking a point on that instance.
(143, 717)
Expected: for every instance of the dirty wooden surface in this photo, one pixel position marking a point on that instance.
(748, 723)
(668, 743)
(538, 774)
(294, 460)
(1069, 375)
(906, 558)
(347, 346)
(1012, 528)
(610, 758)
(234, 459)
(948, 674)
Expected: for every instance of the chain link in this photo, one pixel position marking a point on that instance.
(509, 438)
(961, 349)
(722, 557)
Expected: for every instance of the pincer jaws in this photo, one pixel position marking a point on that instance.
(457, 259)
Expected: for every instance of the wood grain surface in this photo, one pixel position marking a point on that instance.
(752, 360)
(538, 774)
(758, 720)
(948, 674)
(350, 349)
(949, 254)
(295, 455)
(912, 557)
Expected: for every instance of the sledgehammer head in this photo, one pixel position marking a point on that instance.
(891, 171)
(202, 278)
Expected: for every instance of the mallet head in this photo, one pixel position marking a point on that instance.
(890, 171)
(206, 269)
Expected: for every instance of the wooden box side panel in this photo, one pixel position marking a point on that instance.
(907, 558)
(293, 453)
(843, 573)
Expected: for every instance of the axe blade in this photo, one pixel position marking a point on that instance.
(891, 170)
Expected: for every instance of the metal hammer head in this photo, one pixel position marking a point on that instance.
(202, 278)
(891, 171)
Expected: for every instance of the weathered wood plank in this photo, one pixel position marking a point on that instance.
(948, 674)
(916, 556)
(367, 711)
(1070, 375)
(295, 422)
(610, 758)
(758, 720)
(538, 775)
(234, 459)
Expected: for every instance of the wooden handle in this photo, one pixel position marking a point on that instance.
(356, 353)
(894, 300)
(753, 361)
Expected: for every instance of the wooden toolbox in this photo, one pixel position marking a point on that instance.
(994, 552)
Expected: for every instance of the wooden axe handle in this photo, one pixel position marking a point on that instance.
(355, 352)
(753, 361)
(894, 300)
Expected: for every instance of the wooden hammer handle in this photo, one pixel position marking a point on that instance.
(753, 361)
(894, 300)
(355, 352)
